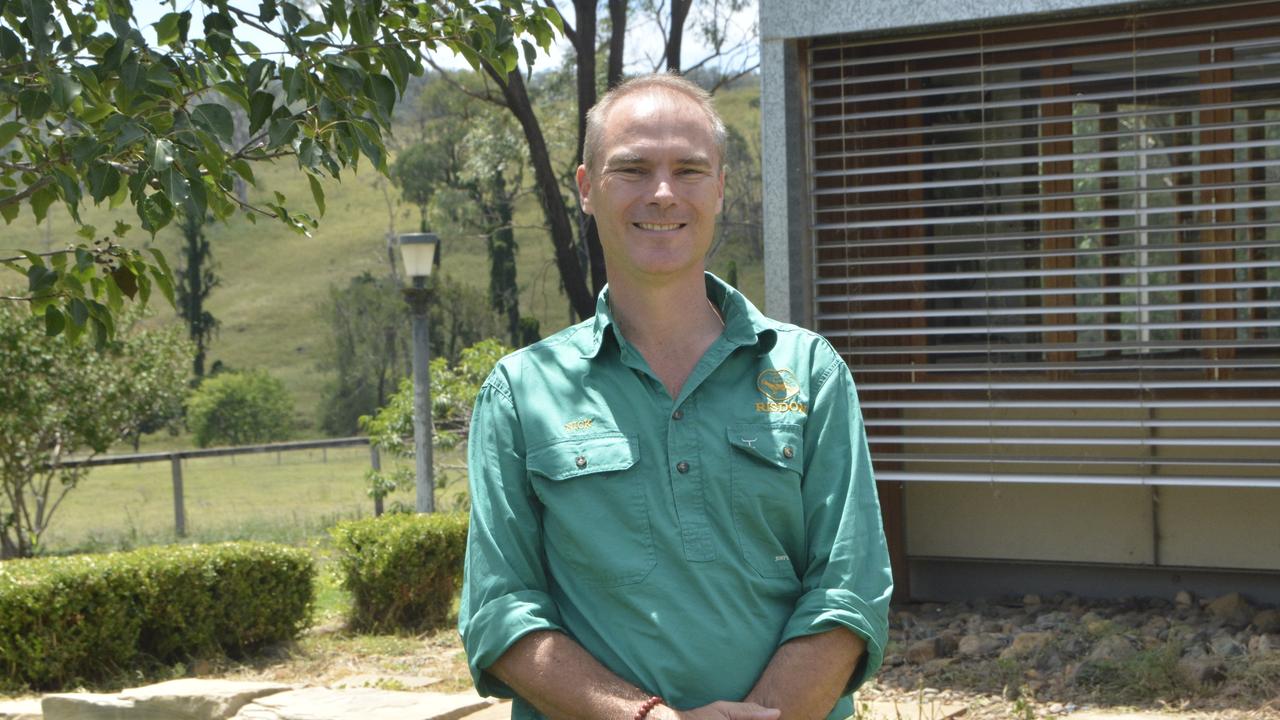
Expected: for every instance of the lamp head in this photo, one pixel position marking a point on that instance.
(418, 252)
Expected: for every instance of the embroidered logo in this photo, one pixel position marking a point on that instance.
(779, 386)
(583, 424)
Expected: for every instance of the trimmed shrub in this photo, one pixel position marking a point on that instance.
(240, 409)
(402, 570)
(89, 617)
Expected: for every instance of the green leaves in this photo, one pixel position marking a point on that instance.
(216, 119)
(123, 119)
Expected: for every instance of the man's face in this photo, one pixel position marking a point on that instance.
(658, 189)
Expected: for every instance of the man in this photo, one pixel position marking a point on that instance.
(672, 513)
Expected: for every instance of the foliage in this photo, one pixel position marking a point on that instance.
(465, 172)
(453, 394)
(240, 408)
(402, 570)
(59, 400)
(88, 617)
(459, 316)
(196, 280)
(94, 112)
(368, 347)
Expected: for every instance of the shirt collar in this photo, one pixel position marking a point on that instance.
(743, 324)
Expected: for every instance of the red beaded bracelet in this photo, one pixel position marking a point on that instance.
(648, 705)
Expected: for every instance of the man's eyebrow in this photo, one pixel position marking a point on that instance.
(625, 158)
(699, 160)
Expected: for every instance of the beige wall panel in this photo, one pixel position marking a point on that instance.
(1220, 527)
(1029, 522)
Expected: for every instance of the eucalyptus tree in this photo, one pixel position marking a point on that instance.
(91, 110)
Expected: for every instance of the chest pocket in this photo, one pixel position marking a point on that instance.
(595, 517)
(766, 462)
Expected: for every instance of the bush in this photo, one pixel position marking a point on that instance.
(84, 618)
(402, 570)
(240, 409)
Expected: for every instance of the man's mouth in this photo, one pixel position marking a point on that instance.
(659, 227)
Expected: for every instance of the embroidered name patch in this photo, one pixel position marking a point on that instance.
(583, 424)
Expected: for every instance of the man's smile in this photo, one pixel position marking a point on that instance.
(659, 227)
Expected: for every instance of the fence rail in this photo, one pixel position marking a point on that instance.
(176, 457)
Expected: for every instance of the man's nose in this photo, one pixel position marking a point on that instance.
(662, 191)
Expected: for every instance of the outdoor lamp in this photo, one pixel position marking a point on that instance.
(418, 253)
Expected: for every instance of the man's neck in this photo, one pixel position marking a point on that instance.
(671, 324)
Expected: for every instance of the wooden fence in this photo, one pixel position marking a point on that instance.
(176, 457)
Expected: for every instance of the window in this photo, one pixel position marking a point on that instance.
(1051, 253)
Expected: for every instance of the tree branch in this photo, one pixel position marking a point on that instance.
(32, 189)
(444, 75)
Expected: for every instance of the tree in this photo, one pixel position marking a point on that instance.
(196, 280)
(240, 408)
(582, 31)
(454, 386)
(368, 349)
(94, 112)
(59, 400)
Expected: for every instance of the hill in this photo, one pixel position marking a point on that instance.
(274, 282)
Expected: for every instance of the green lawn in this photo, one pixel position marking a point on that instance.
(292, 497)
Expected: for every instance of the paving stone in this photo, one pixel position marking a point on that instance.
(386, 681)
(185, 699)
(914, 710)
(363, 703)
(28, 709)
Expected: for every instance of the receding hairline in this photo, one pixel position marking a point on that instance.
(671, 86)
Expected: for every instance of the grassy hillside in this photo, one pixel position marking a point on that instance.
(275, 281)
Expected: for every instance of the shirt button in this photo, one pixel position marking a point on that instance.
(581, 461)
(677, 415)
(682, 467)
(788, 453)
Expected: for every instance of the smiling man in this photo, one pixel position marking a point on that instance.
(672, 506)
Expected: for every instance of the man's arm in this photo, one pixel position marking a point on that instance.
(835, 637)
(562, 680)
(807, 675)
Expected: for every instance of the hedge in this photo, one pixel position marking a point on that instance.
(84, 618)
(402, 570)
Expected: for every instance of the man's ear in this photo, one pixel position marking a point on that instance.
(584, 188)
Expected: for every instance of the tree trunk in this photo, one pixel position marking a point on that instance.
(679, 12)
(581, 300)
(617, 40)
(585, 48)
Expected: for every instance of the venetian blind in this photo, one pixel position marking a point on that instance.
(1051, 253)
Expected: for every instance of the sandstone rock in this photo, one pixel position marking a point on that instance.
(922, 651)
(1112, 648)
(1031, 600)
(28, 709)
(1202, 671)
(1258, 645)
(94, 706)
(185, 699)
(1051, 620)
(1231, 609)
(1267, 621)
(980, 645)
(363, 703)
(1226, 646)
(1026, 645)
(386, 682)
(1184, 599)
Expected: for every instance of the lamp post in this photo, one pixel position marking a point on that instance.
(418, 252)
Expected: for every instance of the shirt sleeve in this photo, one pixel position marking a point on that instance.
(847, 580)
(504, 589)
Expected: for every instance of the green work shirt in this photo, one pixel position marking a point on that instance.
(679, 540)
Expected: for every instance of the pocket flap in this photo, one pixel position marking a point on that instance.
(779, 445)
(585, 455)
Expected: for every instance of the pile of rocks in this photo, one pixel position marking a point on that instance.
(1065, 645)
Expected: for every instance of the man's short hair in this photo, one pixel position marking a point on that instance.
(664, 82)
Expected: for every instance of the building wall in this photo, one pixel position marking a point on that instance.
(1045, 537)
